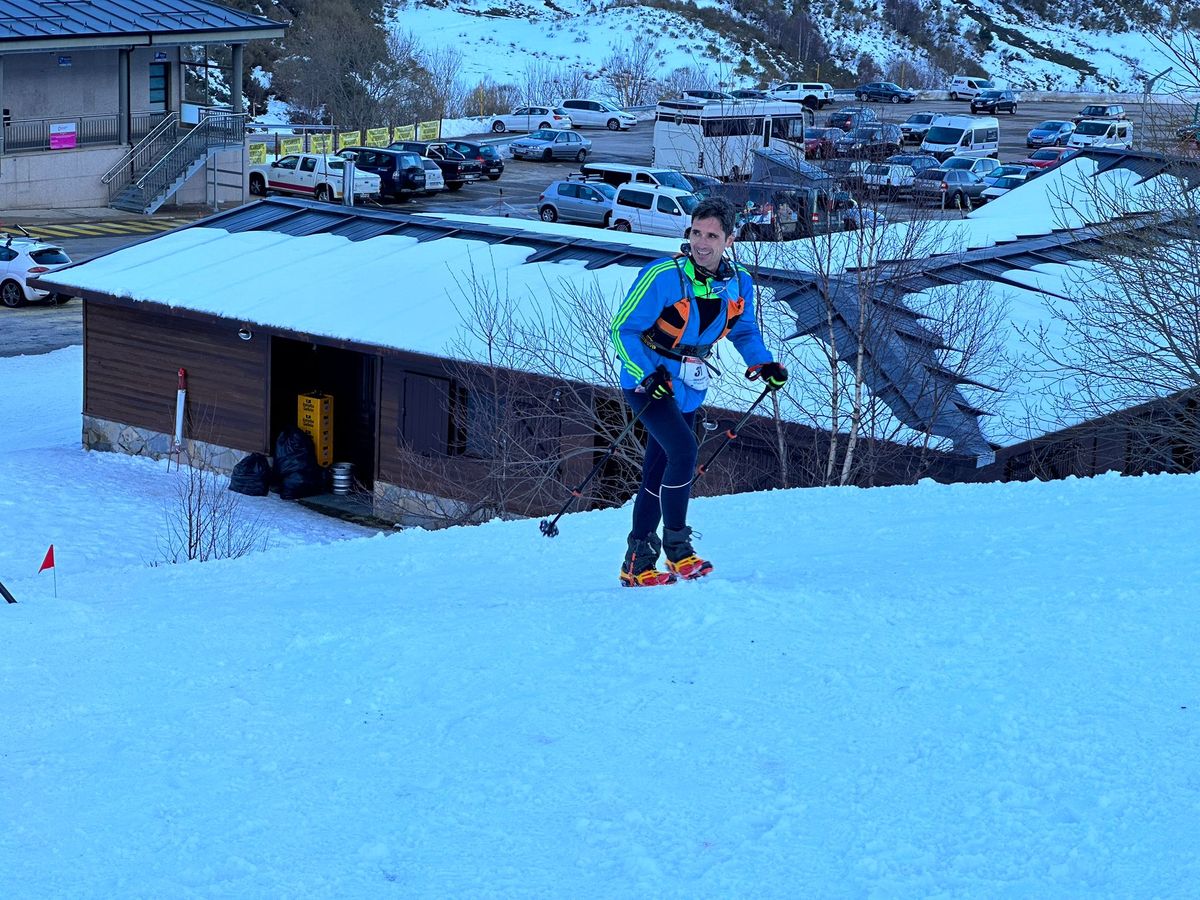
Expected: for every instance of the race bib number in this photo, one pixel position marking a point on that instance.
(694, 373)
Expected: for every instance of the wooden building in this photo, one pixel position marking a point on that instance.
(269, 301)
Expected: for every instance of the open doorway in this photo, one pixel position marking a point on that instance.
(350, 377)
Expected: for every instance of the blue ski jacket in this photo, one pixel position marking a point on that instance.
(661, 313)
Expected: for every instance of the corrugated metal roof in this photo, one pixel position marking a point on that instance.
(23, 20)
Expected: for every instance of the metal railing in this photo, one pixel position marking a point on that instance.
(142, 155)
(213, 131)
(32, 135)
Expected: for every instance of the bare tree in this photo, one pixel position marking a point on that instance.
(206, 520)
(631, 70)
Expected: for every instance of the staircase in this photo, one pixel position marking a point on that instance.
(163, 161)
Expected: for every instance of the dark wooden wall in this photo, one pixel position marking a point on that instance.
(131, 361)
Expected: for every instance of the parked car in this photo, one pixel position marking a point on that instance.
(782, 212)
(889, 179)
(484, 154)
(434, 181)
(875, 140)
(979, 165)
(953, 188)
(1100, 111)
(707, 96)
(653, 209)
(532, 118)
(547, 145)
(963, 136)
(813, 94)
(914, 128)
(457, 170)
(748, 94)
(995, 101)
(851, 117)
(884, 92)
(1047, 157)
(598, 114)
(918, 162)
(821, 143)
(848, 172)
(575, 199)
(1190, 131)
(618, 174)
(22, 259)
(1011, 170)
(998, 187)
(1051, 133)
(1102, 133)
(401, 173)
(968, 86)
(312, 175)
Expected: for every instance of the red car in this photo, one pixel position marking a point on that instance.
(1047, 157)
(819, 142)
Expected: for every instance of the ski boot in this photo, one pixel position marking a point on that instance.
(641, 557)
(681, 558)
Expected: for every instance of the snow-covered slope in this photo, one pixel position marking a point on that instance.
(974, 691)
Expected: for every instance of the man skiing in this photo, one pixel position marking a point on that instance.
(677, 310)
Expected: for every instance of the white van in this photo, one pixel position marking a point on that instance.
(964, 87)
(618, 174)
(1102, 133)
(651, 209)
(974, 136)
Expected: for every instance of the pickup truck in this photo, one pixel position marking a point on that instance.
(457, 170)
(310, 175)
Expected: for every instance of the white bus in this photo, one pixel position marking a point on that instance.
(718, 138)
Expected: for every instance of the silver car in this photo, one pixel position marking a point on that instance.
(548, 144)
(576, 200)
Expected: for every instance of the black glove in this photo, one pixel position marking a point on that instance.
(658, 384)
(773, 375)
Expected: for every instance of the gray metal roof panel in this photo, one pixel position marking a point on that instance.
(25, 19)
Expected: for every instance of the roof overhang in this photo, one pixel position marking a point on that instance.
(121, 41)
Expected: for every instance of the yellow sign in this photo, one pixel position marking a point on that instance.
(429, 131)
(349, 139)
(377, 137)
(291, 145)
(404, 133)
(314, 416)
(257, 154)
(320, 143)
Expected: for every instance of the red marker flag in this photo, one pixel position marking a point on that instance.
(48, 562)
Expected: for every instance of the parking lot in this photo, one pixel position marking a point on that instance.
(516, 193)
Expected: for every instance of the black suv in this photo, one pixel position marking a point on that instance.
(994, 101)
(457, 170)
(874, 140)
(484, 154)
(401, 172)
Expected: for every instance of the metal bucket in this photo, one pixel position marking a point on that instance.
(343, 477)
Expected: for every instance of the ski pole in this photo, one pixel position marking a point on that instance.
(731, 434)
(549, 527)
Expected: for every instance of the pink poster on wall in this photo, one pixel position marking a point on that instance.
(62, 136)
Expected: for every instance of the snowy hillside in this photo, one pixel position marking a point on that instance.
(976, 691)
(1011, 41)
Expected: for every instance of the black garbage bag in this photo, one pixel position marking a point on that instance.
(296, 470)
(252, 476)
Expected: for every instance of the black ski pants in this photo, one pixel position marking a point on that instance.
(669, 466)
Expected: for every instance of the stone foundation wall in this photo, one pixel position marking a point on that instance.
(113, 437)
(404, 506)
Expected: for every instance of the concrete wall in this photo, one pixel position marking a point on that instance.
(231, 177)
(37, 87)
(58, 179)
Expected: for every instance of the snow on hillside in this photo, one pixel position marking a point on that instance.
(502, 39)
(974, 691)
